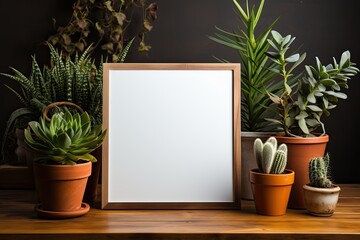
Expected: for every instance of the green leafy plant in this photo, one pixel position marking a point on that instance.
(319, 172)
(256, 76)
(65, 139)
(270, 158)
(319, 89)
(75, 79)
(111, 24)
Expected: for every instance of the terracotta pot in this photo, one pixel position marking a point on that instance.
(60, 189)
(271, 191)
(248, 161)
(321, 201)
(90, 195)
(300, 151)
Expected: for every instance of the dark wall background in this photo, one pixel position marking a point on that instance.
(324, 28)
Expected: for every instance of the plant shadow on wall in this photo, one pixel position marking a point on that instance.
(109, 24)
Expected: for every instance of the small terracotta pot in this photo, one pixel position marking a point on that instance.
(61, 188)
(321, 201)
(300, 151)
(271, 191)
(248, 161)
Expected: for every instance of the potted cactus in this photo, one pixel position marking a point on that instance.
(63, 145)
(301, 108)
(321, 194)
(271, 182)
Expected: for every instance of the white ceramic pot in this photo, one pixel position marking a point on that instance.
(321, 201)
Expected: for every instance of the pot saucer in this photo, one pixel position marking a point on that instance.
(60, 215)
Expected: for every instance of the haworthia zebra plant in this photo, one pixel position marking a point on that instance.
(319, 172)
(77, 80)
(270, 158)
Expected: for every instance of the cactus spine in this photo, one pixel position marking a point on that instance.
(269, 157)
(319, 172)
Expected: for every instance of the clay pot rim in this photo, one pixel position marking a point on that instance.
(286, 172)
(302, 140)
(335, 188)
(283, 179)
(248, 134)
(61, 165)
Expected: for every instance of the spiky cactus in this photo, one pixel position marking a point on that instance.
(319, 172)
(270, 158)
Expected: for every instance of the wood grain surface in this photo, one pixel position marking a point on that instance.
(19, 221)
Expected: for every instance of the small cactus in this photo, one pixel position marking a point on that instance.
(319, 172)
(269, 157)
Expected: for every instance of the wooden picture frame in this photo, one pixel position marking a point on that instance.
(173, 137)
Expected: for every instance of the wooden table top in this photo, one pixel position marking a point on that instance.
(19, 221)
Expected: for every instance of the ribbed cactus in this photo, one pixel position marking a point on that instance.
(269, 157)
(319, 172)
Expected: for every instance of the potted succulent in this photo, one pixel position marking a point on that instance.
(301, 110)
(271, 182)
(320, 194)
(63, 146)
(256, 78)
(73, 79)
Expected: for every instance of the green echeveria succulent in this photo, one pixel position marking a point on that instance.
(66, 139)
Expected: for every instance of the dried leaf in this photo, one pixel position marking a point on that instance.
(143, 47)
(152, 11)
(120, 17)
(108, 6)
(99, 29)
(147, 25)
(67, 39)
(81, 23)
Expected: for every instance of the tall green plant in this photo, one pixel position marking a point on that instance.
(75, 79)
(256, 77)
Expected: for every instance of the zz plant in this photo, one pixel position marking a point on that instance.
(319, 89)
(319, 172)
(65, 139)
(270, 158)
